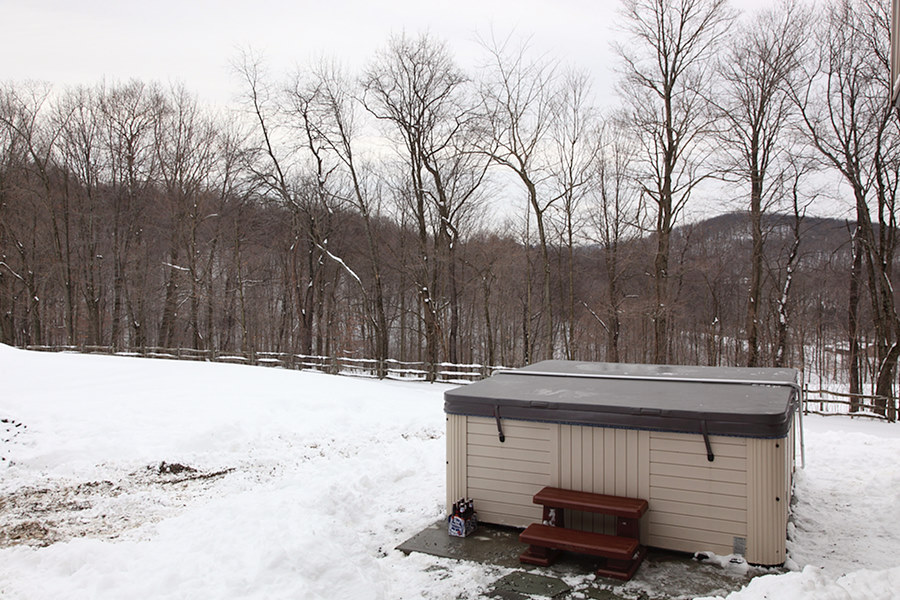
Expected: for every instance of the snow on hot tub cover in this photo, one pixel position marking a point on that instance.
(736, 401)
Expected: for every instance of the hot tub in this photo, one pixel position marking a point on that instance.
(711, 449)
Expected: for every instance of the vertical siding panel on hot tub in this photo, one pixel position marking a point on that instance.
(502, 478)
(768, 472)
(456, 459)
(643, 483)
(696, 504)
(603, 460)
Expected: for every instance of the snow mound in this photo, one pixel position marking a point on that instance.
(813, 583)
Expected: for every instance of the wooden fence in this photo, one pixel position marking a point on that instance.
(354, 367)
(815, 401)
(828, 403)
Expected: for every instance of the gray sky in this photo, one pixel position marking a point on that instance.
(83, 41)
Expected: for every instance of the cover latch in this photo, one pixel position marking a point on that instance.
(499, 428)
(709, 453)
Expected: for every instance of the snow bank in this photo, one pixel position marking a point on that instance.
(812, 583)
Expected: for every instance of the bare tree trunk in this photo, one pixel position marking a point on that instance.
(170, 304)
(570, 250)
(754, 295)
(522, 102)
(193, 271)
(661, 288)
(783, 306)
(613, 330)
(115, 333)
(488, 327)
(453, 333)
(853, 321)
(92, 279)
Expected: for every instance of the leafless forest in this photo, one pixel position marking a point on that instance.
(420, 212)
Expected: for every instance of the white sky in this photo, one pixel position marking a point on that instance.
(85, 41)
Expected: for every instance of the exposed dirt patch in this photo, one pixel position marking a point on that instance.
(178, 473)
(27, 532)
(165, 468)
(59, 511)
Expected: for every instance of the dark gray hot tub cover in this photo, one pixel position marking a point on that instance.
(736, 401)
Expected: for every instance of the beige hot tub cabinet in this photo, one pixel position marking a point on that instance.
(711, 449)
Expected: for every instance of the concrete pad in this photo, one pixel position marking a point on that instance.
(489, 544)
(664, 575)
(520, 585)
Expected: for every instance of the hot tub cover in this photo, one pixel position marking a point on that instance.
(736, 401)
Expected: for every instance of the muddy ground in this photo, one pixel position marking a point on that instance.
(56, 511)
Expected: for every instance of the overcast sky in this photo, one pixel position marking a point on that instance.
(84, 41)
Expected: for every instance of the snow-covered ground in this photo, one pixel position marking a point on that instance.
(134, 478)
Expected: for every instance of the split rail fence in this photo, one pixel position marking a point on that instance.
(815, 401)
(827, 403)
(354, 367)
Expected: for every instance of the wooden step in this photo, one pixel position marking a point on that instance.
(620, 506)
(584, 542)
(622, 556)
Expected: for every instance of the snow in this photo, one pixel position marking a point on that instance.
(304, 483)
(813, 584)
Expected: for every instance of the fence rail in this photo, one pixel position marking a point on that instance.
(815, 401)
(828, 403)
(349, 366)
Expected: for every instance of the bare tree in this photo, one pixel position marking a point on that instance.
(615, 218)
(416, 88)
(576, 145)
(9, 278)
(332, 116)
(842, 102)
(757, 70)
(799, 204)
(18, 232)
(667, 74)
(294, 176)
(228, 192)
(130, 112)
(185, 147)
(520, 102)
(38, 139)
(83, 162)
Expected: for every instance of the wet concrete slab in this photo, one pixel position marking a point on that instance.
(488, 544)
(663, 575)
(520, 585)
